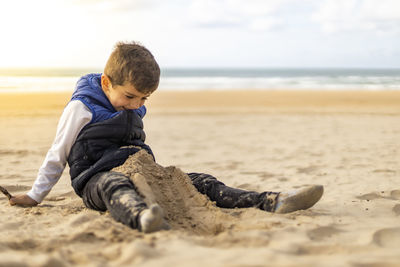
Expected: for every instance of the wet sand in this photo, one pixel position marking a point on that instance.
(254, 140)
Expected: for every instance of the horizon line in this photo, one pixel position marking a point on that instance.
(3, 68)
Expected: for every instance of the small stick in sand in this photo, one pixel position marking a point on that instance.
(5, 192)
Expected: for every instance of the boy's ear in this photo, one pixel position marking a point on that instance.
(105, 82)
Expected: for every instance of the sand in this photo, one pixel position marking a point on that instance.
(254, 140)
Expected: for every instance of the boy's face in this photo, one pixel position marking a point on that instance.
(123, 96)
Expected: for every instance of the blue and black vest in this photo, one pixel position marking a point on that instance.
(108, 140)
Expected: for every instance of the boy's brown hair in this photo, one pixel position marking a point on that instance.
(133, 63)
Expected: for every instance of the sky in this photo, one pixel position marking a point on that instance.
(203, 33)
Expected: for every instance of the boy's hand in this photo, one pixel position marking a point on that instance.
(22, 200)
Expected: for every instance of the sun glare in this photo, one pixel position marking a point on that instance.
(36, 34)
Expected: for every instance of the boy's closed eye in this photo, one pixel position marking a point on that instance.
(131, 97)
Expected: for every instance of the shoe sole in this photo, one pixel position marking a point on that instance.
(304, 199)
(154, 221)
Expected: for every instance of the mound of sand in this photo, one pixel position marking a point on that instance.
(184, 207)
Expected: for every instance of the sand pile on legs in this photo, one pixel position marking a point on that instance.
(184, 207)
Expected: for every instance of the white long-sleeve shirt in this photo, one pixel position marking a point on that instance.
(75, 116)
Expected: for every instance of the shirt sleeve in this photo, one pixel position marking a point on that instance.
(75, 116)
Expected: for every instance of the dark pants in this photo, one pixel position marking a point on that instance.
(116, 193)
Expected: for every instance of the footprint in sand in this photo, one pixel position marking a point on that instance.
(308, 169)
(369, 196)
(396, 209)
(395, 194)
(388, 237)
(323, 232)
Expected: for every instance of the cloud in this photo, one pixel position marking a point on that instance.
(257, 15)
(265, 24)
(380, 16)
(118, 5)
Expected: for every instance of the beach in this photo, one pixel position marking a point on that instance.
(261, 140)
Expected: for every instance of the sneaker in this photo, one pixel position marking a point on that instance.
(299, 199)
(152, 220)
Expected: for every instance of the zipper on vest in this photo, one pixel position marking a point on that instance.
(128, 135)
(85, 150)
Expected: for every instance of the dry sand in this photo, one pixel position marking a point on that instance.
(254, 140)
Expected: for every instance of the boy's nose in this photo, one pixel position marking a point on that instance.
(134, 105)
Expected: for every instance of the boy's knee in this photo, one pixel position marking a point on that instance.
(202, 177)
(114, 179)
(204, 182)
(111, 182)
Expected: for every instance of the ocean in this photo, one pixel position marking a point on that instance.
(58, 80)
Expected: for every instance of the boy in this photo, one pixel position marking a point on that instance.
(102, 125)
